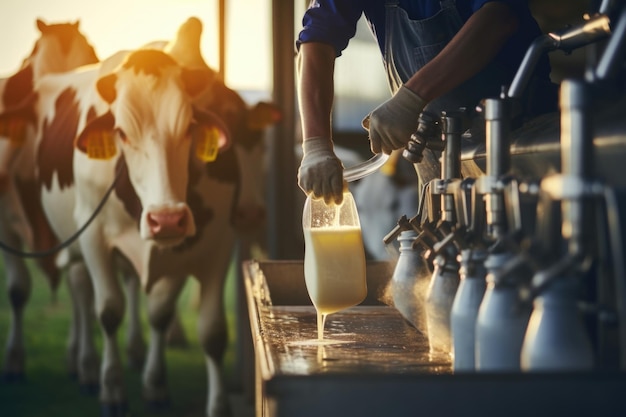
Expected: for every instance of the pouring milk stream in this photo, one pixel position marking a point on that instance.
(334, 257)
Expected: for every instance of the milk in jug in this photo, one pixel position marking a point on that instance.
(334, 258)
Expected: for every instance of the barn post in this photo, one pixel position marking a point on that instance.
(284, 228)
(284, 236)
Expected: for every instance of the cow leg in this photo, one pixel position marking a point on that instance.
(161, 310)
(71, 351)
(175, 336)
(18, 290)
(212, 331)
(135, 343)
(86, 358)
(110, 305)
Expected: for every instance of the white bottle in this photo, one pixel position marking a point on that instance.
(465, 308)
(334, 257)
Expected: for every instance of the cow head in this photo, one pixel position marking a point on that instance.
(154, 125)
(61, 47)
(247, 126)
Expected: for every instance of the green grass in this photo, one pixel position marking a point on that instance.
(48, 391)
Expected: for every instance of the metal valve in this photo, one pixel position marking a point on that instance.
(427, 135)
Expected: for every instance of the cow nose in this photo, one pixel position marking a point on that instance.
(168, 223)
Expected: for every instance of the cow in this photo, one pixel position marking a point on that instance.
(60, 47)
(129, 125)
(247, 125)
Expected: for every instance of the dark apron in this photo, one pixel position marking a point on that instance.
(411, 44)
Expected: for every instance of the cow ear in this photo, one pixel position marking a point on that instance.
(196, 80)
(210, 136)
(96, 139)
(42, 26)
(106, 88)
(263, 114)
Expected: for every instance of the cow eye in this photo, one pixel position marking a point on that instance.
(121, 134)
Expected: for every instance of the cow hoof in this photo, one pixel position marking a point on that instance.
(13, 377)
(114, 410)
(89, 389)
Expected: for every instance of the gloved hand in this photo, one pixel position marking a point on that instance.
(392, 123)
(321, 172)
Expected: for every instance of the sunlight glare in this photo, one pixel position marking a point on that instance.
(126, 24)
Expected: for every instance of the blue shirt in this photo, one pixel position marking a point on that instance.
(334, 22)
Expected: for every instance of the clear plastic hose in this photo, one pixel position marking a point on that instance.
(363, 169)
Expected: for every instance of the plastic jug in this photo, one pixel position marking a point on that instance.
(334, 258)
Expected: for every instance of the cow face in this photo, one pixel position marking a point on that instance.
(60, 48)
(152, 122)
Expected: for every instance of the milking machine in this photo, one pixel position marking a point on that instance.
(531, 260)
(416, 236)
(445, 277)
(502, 318)
(578, 289)
(572, 311)
(434, 236)
(462, 236)
(556, 338)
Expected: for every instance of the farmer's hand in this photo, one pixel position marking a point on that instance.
(392, 123)
(321, 172)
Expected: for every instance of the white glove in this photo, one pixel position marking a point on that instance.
(392, 123)
(321, 172)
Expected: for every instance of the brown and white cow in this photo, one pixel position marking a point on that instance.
(247, 125)
(172, 210)
(60, 47)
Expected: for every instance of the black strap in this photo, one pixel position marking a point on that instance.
(71, 239)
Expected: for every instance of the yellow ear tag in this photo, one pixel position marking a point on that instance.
(101, 145)
(14, 130)
(207, 144)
